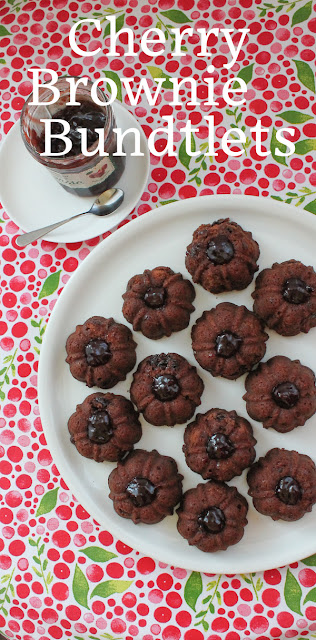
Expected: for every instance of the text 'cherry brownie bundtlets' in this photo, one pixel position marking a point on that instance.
(281, 394)
(158, 302)
(145, 486)
(166, 389)
(285, 297)
(104, 427)
(228, 340)
(101, 352)
(222, 256)
(283, 484)
(212, 516)
(219, 444)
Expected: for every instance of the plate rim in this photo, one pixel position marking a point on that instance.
(285, 210)
(117, 107)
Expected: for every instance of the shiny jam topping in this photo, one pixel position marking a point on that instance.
(220, 250)
(286, 395)
(296, 291)
(212, 520)
(166, 387)
(141, 491)
(155, 297)
(219, 447)
(227, 344)
(97, 352)
(288, 490)
(86, 116)
(100, 429)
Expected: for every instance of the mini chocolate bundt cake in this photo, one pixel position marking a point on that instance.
(222, 256)
(104, 427)
(281, 394)
(228, 340)
(158, 302)
(285, 297)
(219, 444)
(101, 352)
(283, 484)
(145, 486)
(166, 389)
(212, 517)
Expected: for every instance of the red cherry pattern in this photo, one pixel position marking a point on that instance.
(43, 603)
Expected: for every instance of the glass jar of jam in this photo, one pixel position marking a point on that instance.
(77, 173)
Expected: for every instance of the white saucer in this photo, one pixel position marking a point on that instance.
(33, 198)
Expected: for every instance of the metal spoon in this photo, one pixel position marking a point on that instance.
(106, 203)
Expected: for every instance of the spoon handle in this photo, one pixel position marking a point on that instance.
(31, 236)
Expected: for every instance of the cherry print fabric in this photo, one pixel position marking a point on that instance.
(61, 574)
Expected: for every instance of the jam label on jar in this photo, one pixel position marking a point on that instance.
(87, 178)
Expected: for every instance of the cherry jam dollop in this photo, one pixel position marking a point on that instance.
(288, 490)
(220, 250)
(166, 387)
(212, 520)
(155, 297)
(219, 447)
(97, 352)
(296, 291)
(227, 344)
(100, 428)
(141, 491)
(286, 395)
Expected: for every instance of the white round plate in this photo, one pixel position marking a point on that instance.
(161, 238)
(33, 198)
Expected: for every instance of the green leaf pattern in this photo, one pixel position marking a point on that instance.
(98, 555)
(107, 588)
(184, 157)
(157, 72)
(48, 502)
(4, 31)
(50, 285)
(295, 117)
(305, 74)
(6, 591)
(274, 145)
(40, 567)
(302, 14)
(8, 368)
(193, 589)
(310, 561)
(292, 593)
(41, 326)
(115, 77)
(80, 587)
(176, 16)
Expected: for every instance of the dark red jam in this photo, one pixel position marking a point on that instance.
(227, 344)
(86, 116)
(212, 520)
(296, 291)
(220, 250)
(166, 387)
(286, 395)
(141, 491)
(288, 490)
(219, 447)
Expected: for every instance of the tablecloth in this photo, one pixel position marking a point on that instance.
(53, 555)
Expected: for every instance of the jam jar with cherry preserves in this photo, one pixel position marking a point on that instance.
(77, 173)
